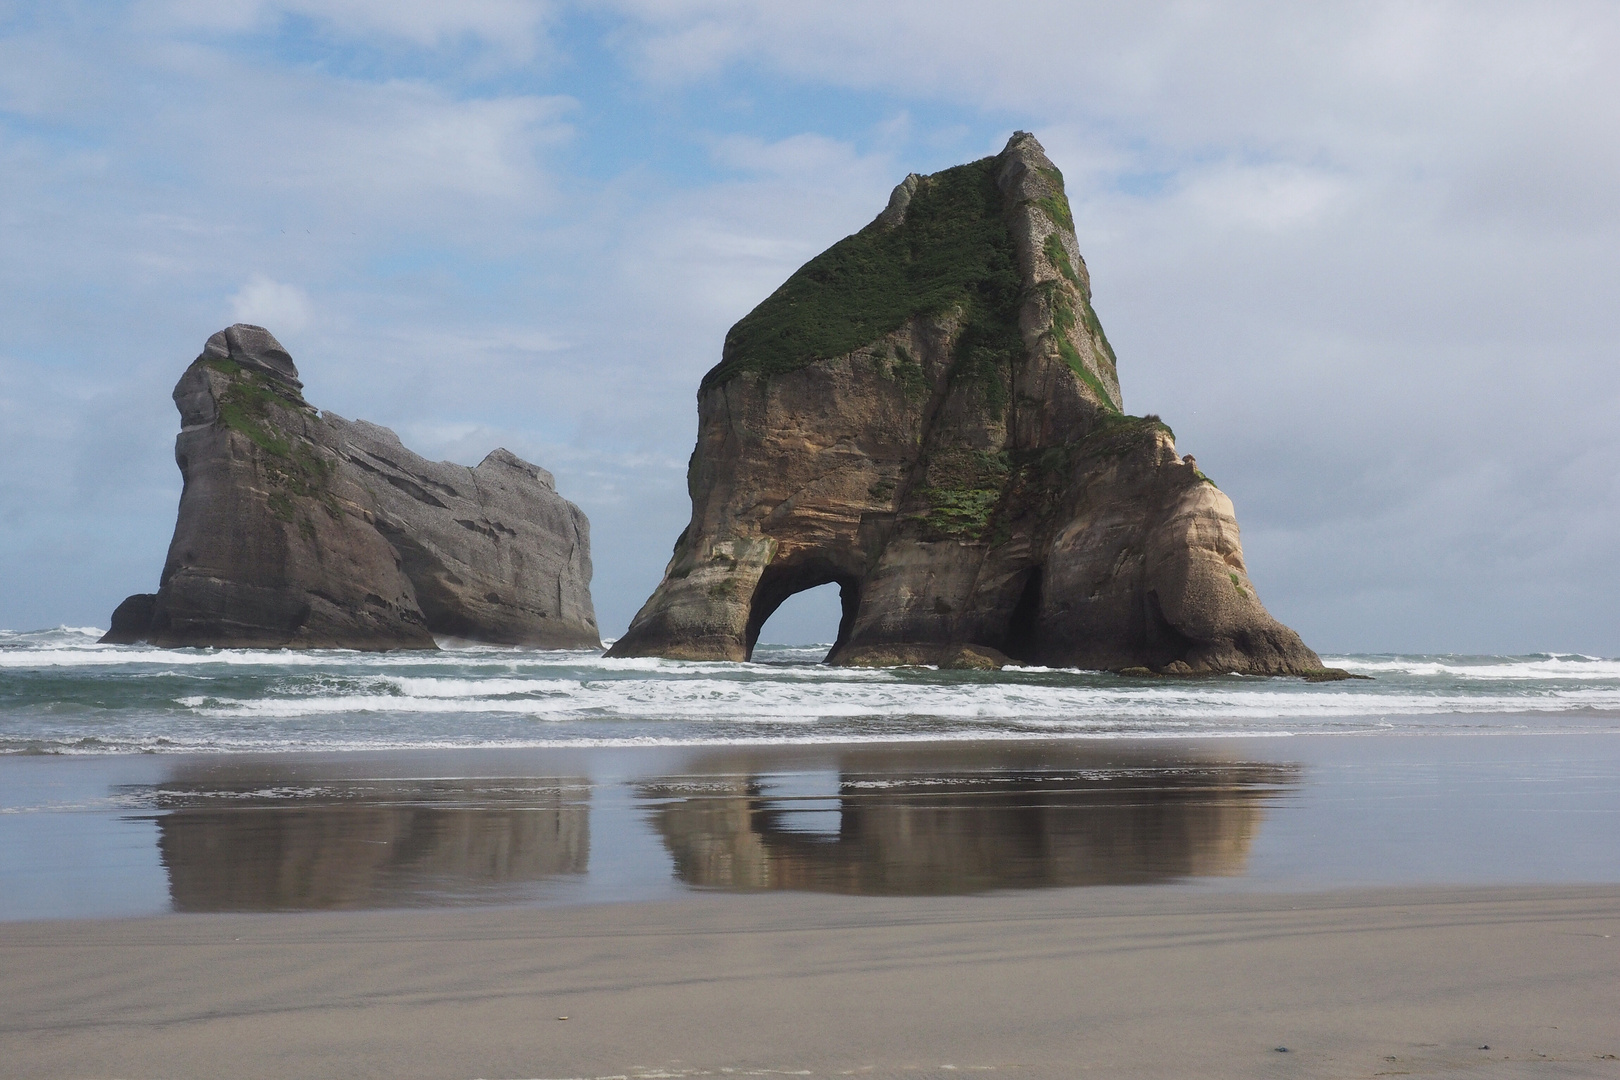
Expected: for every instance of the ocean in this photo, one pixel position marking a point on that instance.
(61, 693)
(136, 780)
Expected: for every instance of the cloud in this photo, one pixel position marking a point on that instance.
(1359, 255)
(364, 148)
(264, 302)
(1270, 197)
(512, 25)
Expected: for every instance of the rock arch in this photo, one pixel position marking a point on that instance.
(928, 413)
(780, 581)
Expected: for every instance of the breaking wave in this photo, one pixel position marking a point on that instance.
(60, 692)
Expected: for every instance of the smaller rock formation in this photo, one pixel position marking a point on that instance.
(298, 530)
(494, 553)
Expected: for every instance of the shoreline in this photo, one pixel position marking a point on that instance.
(963, 740)
(1126, 981)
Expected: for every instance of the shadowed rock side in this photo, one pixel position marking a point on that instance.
(928, 414)
(494, 553)
(298, 530)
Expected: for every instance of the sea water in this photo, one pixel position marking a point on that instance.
(61, 693)
(136, 780)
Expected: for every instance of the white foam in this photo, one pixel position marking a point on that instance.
(1572, 667)
(247, 700)
(324, 744)
(754, 700)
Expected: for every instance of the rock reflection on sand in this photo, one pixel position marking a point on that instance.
(887, 820)
(912, 824)
(366, 844)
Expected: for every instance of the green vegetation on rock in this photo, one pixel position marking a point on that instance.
(1057, 208)
(900, 367)
(881, 491)
(1053, 248)
(294, 470)
(1058, 302)
(1071, 356)
(1116, 434)
(303, 474)
(962, 490)
(952, 251)
(966, 491)
(246, 403)
(1094, 325)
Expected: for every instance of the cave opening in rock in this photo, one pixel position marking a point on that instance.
(808, 621)
(1020, 640)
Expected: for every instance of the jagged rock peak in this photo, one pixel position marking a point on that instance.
(894, 215)
(252, 347)
(502, 458)
(989, 244)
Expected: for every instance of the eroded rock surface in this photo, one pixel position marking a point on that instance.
(494, 553)
(928, 414)
(299, 530)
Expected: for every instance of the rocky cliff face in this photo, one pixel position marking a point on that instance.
(299, 530)
(928, 414)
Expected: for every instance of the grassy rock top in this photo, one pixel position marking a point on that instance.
(952, 248)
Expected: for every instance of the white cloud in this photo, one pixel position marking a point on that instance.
(511, 25)
(1267, 197)
(1361, 255)
(810, 160)
(284, 309)
(365, 147)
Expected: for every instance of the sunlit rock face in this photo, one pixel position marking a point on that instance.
(928, 414)
(303, 530)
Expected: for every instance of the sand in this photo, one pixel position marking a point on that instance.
(1136, 982)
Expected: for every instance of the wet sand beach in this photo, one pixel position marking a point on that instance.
(1105, 982)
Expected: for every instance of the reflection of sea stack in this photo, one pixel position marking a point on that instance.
(299, 529)
(364, 852)
(928, 414)
(913, 830)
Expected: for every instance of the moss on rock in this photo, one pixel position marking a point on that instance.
(953, 250)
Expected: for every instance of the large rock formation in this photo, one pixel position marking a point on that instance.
(928, 414)
(300, 530)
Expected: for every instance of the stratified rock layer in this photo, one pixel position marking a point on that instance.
(928, 414)
(494, 553)
(299, 530)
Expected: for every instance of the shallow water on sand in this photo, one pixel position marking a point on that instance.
(110, 834)
(62, 693)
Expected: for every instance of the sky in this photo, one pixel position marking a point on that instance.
(1364, 258)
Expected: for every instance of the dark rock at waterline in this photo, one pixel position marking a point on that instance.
(298, 530)
(928, 414)
(131, 620)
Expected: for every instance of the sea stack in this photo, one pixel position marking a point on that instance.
(299, 529)
(928, 414)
